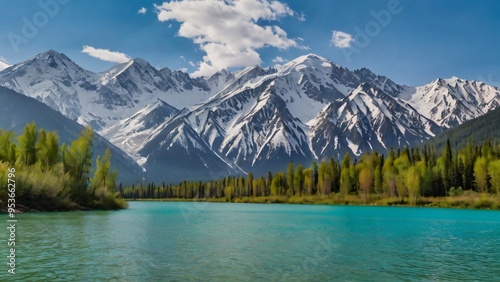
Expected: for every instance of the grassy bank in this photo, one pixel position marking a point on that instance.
(469, 200)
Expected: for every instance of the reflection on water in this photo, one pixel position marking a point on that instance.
(249, 242)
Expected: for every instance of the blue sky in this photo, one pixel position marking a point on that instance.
(412, 42)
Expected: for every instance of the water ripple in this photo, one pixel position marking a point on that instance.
(231, 242)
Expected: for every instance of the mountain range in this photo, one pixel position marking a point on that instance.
(257, 119)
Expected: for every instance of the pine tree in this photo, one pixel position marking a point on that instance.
(290, 177)
(378, 180)
(298, 181)
(249, 185)
(446, 171)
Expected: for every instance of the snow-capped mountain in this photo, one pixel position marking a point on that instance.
(3, 65)
(54, 80)
(381, 82)
(256, 119)
(368, 119)
(176, 152)
(101, 99)
(131, 133)
(450, 102)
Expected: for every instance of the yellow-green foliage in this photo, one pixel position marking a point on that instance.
(415, 177)
(50, 178)
(494, 172)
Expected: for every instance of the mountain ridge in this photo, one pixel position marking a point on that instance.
(254, 119)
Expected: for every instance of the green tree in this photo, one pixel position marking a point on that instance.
(278, 184)
(103, 176)
(229, 193)
(481, 174)
(250, 191)
(290, 177)
(414, 179)
(389, 176)
(7, 146)
(345, 175)
(298, 181)
(494, 172)
(365, 181)
(27, 145)
(378, 180)
(309, 180)
(446, 168)
(402, 163)
(47, 148)
(77, 160)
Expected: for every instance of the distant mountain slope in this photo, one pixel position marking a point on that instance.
(130, 134)
(450, 102)
(16, 110)
(175, 153)
(100, 99)
(477, 130)
(255, 119)
(368, 119)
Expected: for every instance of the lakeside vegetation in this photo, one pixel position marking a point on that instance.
(53, 177)
(468, 177)
(50, 177)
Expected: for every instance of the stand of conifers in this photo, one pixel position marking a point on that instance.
(465, 177)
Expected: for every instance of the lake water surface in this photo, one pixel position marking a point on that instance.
(161, 241)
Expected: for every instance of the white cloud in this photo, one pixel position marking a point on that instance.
(229, 32)
(302, 17)
(184, 70)
(341, 39)
(279, 60)
(3, 64)
(191, 63)
(142, 11)
(106, 55)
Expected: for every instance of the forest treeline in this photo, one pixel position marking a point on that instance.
(52, 177)
(481, 128)
(407, 176)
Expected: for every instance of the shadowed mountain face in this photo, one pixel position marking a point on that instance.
(17, 110)
(255, 119)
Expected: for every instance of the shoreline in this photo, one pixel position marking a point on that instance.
(20, 209)
(477, 202)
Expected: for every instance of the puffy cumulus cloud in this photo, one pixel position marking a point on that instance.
(106, 55)
(142, 11)
(3, 64)
(229, 31)
(341, 39)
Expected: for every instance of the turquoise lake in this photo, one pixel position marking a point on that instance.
(162, 241)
